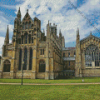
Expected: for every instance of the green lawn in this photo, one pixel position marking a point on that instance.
(74, 80)
(28, 92)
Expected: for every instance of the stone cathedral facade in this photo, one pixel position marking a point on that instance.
(40, 56)
(45, 56)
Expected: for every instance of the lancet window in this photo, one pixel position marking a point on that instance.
(20, 60)
(25, 59)
(26, 38)
(30, 60)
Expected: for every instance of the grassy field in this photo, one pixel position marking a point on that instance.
(26, 92)
(74, 80)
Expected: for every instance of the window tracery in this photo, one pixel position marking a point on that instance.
(92, 55)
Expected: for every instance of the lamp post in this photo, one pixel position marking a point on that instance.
(22, 73)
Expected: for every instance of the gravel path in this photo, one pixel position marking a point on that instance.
(50, 83)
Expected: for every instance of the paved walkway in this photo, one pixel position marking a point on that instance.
(50, 83)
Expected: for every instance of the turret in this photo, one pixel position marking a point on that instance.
(78, 71)
(63, 42)
(7, 36)
(60, 34)
(37, 22)
(19, 14)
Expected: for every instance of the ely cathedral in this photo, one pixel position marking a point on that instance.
(43, 56)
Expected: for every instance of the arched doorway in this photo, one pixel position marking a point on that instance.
(6, 67)
(42, 66)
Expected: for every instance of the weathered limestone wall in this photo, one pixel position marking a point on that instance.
(6, 75)
(40, 75)
(26, 74)
(71, 67)
(91, 72)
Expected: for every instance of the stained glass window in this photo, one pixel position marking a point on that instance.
(92, 56)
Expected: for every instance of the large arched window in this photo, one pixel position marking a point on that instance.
(41, 66)
(6, 67)
(25, 59)
(92, 56)
(30, 60)
(20, 59)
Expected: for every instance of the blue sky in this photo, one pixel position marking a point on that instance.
(59, 12)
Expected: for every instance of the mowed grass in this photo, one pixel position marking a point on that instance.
(31, 92)
(73, 80)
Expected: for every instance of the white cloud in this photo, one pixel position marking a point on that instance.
(9, 6)
(66, 19)
(1, 44)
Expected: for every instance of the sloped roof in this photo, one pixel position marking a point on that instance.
(90, 36)
(68, 48)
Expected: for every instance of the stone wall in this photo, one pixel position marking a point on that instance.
(91, 72)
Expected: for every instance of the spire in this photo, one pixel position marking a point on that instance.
(90, 32)
(77, 31)
(48, 22)
(27, 10)
(7, 36)
(19, 14)
(60, 33)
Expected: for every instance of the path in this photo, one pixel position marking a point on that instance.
(50, 83)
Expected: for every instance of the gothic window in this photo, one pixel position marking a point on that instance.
(26, 38)
(92, 56)
(6, 66)
(41, 51)
(20, 60)
(29, 38)
(30, 61)
(74, 54)
(63, 54)
(69, 54)
(22, 39)
(23, 26)
(26, 25)
(42, 66)
(25, 59)
(19, 41)
(32, 39)
(69, 63)
(29, 24)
